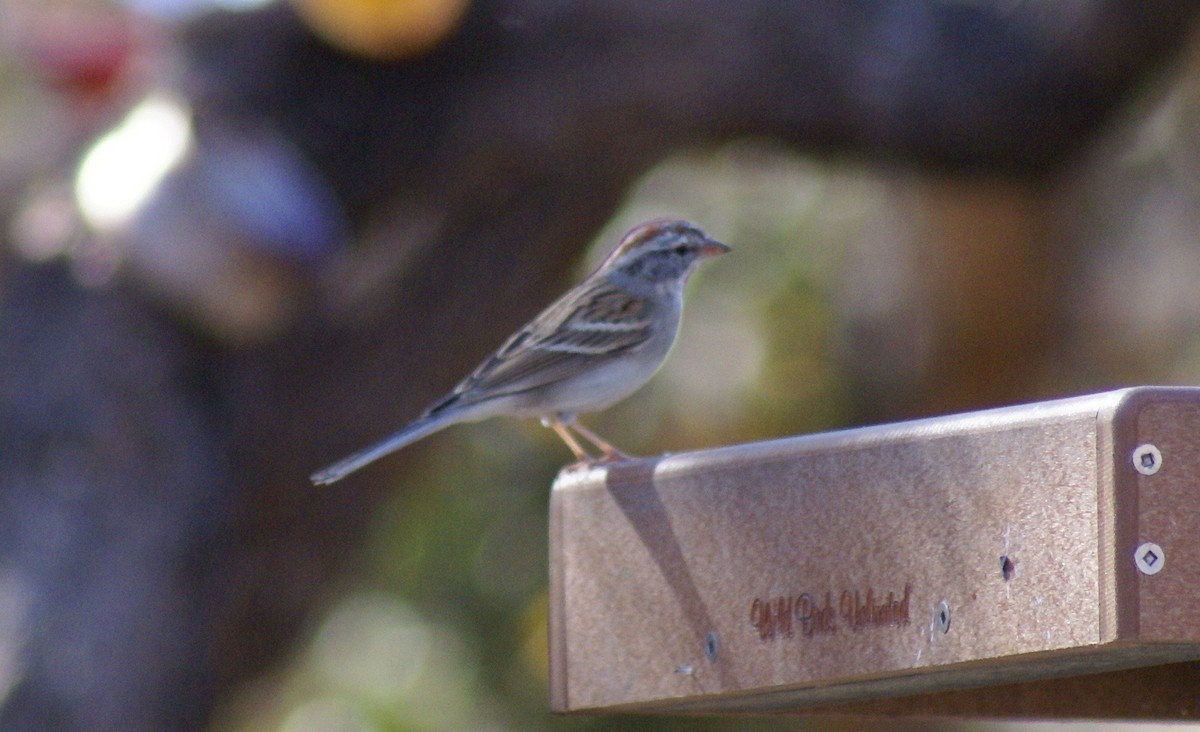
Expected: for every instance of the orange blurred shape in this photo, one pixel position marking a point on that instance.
(384, 29)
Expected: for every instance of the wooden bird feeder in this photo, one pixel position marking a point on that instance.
(1033, 561)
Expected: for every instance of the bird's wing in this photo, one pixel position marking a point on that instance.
(593, 321)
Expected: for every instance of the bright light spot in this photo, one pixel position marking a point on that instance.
(241, 5)
(324, 714)
(121, 170)
(184, 9)
(374, 646)
(45, 223)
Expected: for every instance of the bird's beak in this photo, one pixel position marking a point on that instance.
(712, 248)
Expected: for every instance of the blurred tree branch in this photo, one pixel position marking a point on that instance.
(158, 517)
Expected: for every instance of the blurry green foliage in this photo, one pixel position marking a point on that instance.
(446, 629)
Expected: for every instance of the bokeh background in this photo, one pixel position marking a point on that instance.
(244, 238)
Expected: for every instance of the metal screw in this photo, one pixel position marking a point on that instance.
(1147, 459)
(710, 646)
(941, 616)
(1149, 558)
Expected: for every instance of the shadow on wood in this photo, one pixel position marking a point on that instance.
(945, 566)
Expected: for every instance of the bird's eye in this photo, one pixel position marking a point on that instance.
(681, 250)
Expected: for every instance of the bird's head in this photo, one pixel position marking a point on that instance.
(661, 251)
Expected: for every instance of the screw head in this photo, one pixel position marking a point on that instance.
(1149, 558)
(710, 646)
(941, 616)
(1147, 459)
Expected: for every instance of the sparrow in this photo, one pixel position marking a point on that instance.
(591, 348)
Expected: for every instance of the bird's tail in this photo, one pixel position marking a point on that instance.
(411, 433)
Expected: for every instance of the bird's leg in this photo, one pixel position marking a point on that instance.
(610, 454)
(557, 424)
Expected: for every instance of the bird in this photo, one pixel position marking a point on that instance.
(593, 347)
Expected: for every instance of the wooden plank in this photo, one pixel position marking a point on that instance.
(932, 567)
